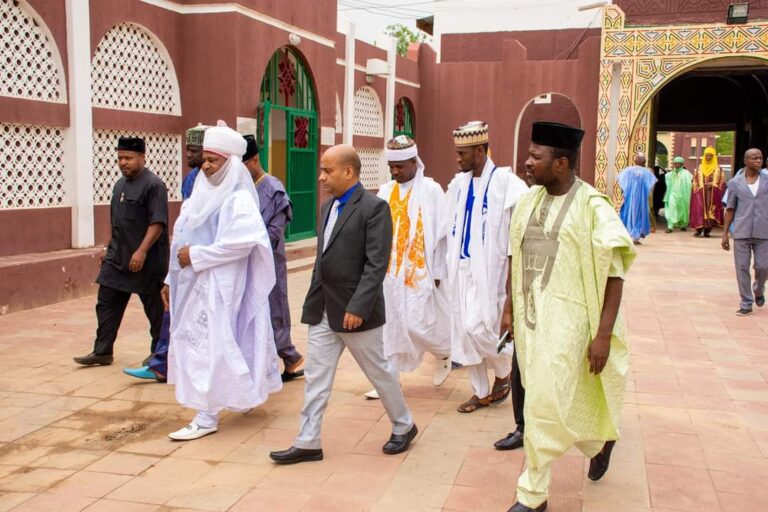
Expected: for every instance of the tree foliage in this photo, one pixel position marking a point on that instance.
(724, 143)
(404, 36)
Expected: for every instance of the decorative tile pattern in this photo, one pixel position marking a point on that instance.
(650, 57)
(163, 158)
(131, 70)
(30, 66)
(31, 166)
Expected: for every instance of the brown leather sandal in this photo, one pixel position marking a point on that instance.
(501, 389)
(474, 404)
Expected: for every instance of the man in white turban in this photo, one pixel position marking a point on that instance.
(417, 306)
(223, 353)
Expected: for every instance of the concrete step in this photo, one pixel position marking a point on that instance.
(301, 264)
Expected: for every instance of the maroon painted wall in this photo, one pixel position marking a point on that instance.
(497, 91)
(488, 47)
(678, 12)
(35, 230)
(318, 16)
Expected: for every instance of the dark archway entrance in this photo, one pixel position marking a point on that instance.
(287, 132)
(721, 95)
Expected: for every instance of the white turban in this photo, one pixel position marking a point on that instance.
(210, 192)
(400, 155)
(224, 141)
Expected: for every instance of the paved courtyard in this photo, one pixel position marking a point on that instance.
(695, 423)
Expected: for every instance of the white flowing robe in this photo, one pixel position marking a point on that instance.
(477, 286)
(223, 353)
(417, 310)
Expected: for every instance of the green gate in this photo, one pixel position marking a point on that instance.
(287, 87)
(404, 118)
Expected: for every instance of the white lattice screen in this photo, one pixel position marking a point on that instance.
(374, 171)
(28, 57)
(163, 158)
(131, 72)
(31, 166)
(368, 119)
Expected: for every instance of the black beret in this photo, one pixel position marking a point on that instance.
(252, 149)
(556, 135)
(131, 144)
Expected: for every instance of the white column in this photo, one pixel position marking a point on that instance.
(78, 143)
(349, 86)
(389, 108)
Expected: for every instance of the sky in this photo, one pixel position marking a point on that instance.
(371, 17)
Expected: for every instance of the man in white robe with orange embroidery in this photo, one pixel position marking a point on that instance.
(223, 354)
(481, 198)
(417, 306)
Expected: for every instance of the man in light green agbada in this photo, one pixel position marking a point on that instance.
(677, 199)
(569, 253)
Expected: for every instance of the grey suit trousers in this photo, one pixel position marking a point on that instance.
(324, 348)
(743, 249)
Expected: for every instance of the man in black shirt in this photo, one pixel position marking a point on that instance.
(136, 260)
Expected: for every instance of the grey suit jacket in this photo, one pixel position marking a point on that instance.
(751, 212)
(349, 275)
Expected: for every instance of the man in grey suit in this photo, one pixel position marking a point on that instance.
(747, 210)
(344, 306)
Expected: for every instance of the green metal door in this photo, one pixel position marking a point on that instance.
(262, 133)
(301, 172)
(404, 118)
(287, 87)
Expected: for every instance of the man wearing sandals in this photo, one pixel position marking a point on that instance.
(570, 252)
(480, 201)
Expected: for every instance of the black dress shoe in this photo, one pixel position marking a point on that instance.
(94, 359)
(760, 301)
(295, 455)
(398, 443)
(519, 507)
(289, 376)
(513, 441)
(599, 464)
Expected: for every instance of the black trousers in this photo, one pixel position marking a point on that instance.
(518, 394)
(110, 308)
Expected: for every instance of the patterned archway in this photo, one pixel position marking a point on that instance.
(637, 62)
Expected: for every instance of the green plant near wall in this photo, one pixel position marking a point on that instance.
(404, 36)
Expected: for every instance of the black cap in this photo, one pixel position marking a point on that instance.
(557, 135)
(252, 149)
(131, 144)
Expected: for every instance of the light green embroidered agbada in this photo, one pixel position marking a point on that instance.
(677, 198)
(559, 278)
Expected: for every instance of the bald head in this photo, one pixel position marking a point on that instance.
(640, 159)
(753, 159)
(345, 156)
(339, 169)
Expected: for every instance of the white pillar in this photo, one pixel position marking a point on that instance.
(349, 86)
(389, 108)
(78, 143)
